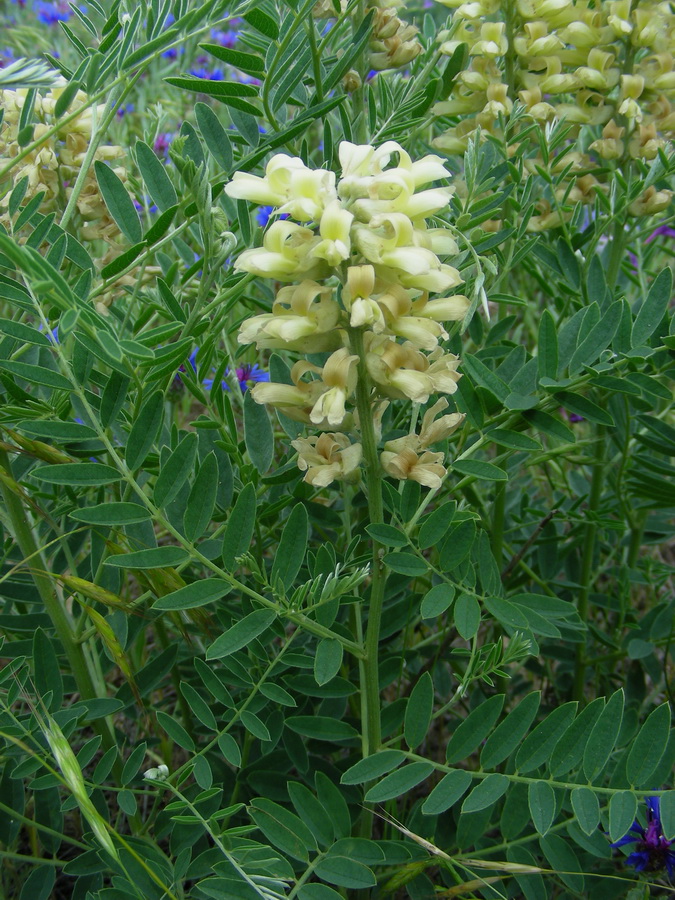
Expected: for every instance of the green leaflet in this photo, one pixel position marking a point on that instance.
(292, 547)
(542, 803)
(447, 792)
(508, 735)
(603, 737)
(474, 729)
(537, 747)
(399, 782)
(119, 203)
(240, 525)
(419, 711)
(649, 747)
(192, 595)
(175, 471)
(241, 633)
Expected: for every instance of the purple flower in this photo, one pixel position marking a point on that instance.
(652, 851)
(172, 52)
(570, 416)
(249, 375)
(162, 142)
(665, 230)
(6, 57)
(662, 229)
(122, 111)
(243, 78)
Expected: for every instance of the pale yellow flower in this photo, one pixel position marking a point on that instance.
(327, 458)
(426, 468)
(288, 184)
(358, 300)
(304, 317)
(334, 229)
(632, 87)
(339, 381)
(285, 254)
(297, 399)
(398, 370)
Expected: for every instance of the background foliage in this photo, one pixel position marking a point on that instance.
(174, 595)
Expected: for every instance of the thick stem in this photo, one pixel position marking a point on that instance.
(28, 546)
(370, 686)
(586, 580)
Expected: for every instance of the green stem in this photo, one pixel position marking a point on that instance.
(586, 580)
(359, 95)
(316, 59)
(28, 546)
(509, 58)
(370, 685)
(497, 537)
(636, 533)
(616, 253)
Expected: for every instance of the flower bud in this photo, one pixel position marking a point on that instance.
(351, 81)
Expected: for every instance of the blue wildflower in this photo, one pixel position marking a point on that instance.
(249, 375)
(7, 57)
(652, 851)
(51, 13)
(263, 214)
(208, 74)
(151, 208)
(122, 111)
(224, 38)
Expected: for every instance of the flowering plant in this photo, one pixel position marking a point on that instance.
(336, 444)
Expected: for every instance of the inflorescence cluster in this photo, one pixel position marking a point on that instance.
(606, 69)
(358, 262)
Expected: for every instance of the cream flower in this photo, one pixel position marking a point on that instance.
(297, 399)
(398, 370)
(285, 254)
(304, 317)
(339, 381)
(425, 468)
(334, 229)
(434, 430)
(327, 458)
(288, 184)
(362, 307)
